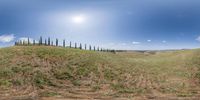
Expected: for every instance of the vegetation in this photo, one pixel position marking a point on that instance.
(53, 71)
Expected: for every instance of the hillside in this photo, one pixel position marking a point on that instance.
(48, 73)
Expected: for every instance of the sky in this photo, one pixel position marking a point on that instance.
(113, 24)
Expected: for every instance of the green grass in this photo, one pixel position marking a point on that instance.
(126, 72)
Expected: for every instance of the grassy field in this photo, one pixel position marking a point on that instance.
(32, 72)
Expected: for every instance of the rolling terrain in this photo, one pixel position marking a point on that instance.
(55, 73)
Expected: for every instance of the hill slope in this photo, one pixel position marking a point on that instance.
(37, 71)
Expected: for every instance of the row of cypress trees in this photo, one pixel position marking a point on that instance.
(49, 42)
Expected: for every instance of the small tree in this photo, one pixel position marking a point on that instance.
(94, 48)
(113, 51)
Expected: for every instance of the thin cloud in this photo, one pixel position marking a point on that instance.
(164, 41)
(135, 43)
(7, 38)
(198, 38)
(123, 44)
(148, 40)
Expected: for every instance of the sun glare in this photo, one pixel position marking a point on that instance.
(78, 19)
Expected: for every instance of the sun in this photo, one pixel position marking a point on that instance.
(78, 19)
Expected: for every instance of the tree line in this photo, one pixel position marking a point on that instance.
(50, 42)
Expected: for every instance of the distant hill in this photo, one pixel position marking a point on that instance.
(52, 73)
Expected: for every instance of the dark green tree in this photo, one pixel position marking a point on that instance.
(56, 42)
(28, 41)
(49, 41)
(40, 41)
(85, 47)
(80, 46)
(90, 47)
(33, 42)
(63, 43)
(75, 45)
(70, 44)
(45, 42)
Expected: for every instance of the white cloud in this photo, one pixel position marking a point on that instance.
(164, 41)
(148, 40)
(135, 43)
(7, 38)
(123, 44)
(198, 38)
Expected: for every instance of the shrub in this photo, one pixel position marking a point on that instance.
(6, 72)
(41, 79)
(5, 83)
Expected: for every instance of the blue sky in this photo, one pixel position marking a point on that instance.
(115, 24)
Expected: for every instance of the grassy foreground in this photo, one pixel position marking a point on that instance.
(39, 71)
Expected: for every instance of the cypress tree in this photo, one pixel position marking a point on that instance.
(94, 48)
(17, 43)
(45, 43)
(33, 42)
(75, 45)
(63, 43)
(70, 44)
(49, 41)
(80, 46)
(56, 42)
(90, 47)
(85, 46)
(28, 41)
(40, 41)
